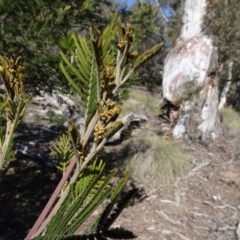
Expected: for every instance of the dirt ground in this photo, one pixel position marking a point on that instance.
(203, 204)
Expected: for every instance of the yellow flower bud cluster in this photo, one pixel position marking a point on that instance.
(14, 83)
(125, 36)
(110, 113)
(99, 132)
(82, 154)
(125, 41)
(121, 45)
(109, 74)
(16, 72)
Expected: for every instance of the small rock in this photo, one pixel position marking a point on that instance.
(10, 171)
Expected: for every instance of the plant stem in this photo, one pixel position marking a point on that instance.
(51, 201)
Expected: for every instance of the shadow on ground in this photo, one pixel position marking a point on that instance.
(23, 194)
(28, 183)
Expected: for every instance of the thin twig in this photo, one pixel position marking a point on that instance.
(167, 218)
(177, 192)
(225, 206)
(197, 168)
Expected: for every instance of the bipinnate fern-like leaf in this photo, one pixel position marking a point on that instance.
(82, 74)
(72, 202)
(107, 37)
(93, 95)
(75, 140)
(101, 220)
(120, 206)
(10, 153)
(82, 187)
(78, 73)
(98, 54)
(99, 236)
(66, 42)
(84, 197)
(96, 168)
(86, 73)
(113, 233)
(16, 110)
(98, 196)
(63, 151)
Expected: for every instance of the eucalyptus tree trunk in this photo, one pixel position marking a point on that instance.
(190, 79)
(223, 97)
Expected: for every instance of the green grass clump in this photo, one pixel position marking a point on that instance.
(231, 118)
(157, 159)
(140, 101)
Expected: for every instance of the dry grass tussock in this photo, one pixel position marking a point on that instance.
(231, 118)
(141, 102)
(156, 158)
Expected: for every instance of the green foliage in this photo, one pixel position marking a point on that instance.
(34, 28)
(96, 80)
(62, 150)
(12, 106)
(96, 69)
(84, 196)
(148, 30)
(85, 69)
(222, 23)
(173, 29)
(66, 42)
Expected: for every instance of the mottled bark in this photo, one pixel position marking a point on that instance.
(190, 78)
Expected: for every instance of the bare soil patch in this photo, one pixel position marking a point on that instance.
(204, 204)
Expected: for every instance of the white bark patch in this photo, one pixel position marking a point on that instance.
(194, 11)
(188, 62)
